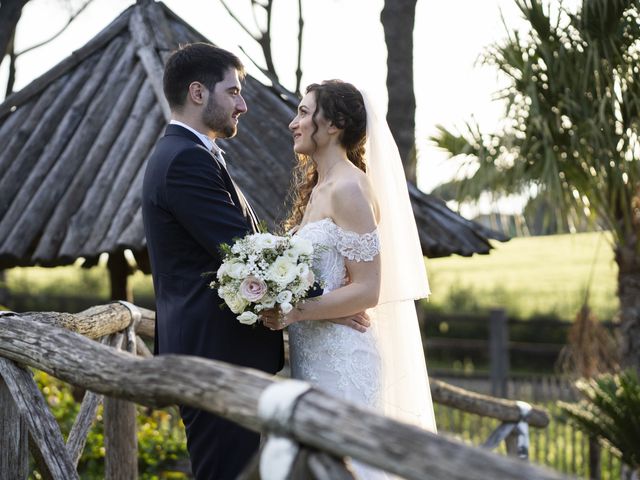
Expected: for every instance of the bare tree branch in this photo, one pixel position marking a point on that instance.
(10, 12)
(299, 66)
(12, 65)
(239, 22)
(71, 19)
(264, 38)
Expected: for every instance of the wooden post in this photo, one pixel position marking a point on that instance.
(14, 454)
(118, 276)
(120, 433)
(499, 352)
(594, 458)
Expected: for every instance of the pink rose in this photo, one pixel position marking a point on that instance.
(253, 288)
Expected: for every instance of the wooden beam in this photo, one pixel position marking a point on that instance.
(317, 420)
(14, 454)
(42, 425)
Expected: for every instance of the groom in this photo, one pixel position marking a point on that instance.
(190, 206)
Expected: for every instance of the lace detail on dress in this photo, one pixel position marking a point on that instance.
(334, 357)
(357, 247)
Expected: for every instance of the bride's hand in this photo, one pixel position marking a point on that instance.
(360, 321)
(275, 320)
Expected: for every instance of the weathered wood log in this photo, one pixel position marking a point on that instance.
(164, 39)
(14, 454)
(82, 424)
(94, 322)
(83, 220)
(23, 161)
(326, 467)
(142, 349)
(147, 325)
(66, 126)
(134, 233)
(54, 184)
(127, 210)
(55, 231)
(484, 405)
(12, 128)
(144, 40)
(120, 432)
(318, 420)
(146, 135)
(42, 425)
(22, 96)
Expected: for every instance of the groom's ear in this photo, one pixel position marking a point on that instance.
(196, 93)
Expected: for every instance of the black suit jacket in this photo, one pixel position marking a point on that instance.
(190, 206)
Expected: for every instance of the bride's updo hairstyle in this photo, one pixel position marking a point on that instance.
(342, 104)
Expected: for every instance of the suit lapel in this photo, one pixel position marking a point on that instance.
(236, 194)
(238, 197)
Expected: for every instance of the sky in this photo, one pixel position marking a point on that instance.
(342, 39)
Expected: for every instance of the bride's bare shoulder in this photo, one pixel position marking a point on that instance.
(353, 203)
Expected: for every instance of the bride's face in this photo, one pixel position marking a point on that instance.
(302, 127)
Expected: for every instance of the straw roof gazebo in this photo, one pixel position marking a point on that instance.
(76, 140)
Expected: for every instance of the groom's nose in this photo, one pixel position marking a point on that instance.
(241, 105)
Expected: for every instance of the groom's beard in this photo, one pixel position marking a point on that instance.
(214, 117)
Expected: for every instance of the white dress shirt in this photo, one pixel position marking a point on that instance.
(208, 142)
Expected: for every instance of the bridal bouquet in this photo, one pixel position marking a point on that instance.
(263, 271)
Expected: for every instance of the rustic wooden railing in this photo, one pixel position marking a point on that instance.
(310, 433)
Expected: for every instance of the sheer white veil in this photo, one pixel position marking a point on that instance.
(407, 396)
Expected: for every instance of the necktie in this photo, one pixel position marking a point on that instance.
(244, 202)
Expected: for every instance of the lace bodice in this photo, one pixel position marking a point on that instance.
(335, 357)
(333, 244)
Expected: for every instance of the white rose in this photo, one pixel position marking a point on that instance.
(238, 270)
(224, 268)
(248, 318)
(291, 255)
(284, 297)
(282, 271)
(301, 246)
(264, 240)
(235, 302)
(286, 308)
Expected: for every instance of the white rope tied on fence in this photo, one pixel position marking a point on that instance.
(136, 316)
(275, 407)
(519, 428)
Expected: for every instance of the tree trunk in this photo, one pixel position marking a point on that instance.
(628, 260)
(398, 18)
(10, 12)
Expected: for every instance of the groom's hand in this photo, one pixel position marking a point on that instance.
(360, 321)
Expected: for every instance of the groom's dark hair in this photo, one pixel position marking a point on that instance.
(196, 62)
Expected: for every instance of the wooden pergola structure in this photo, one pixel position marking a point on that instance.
(76, 140)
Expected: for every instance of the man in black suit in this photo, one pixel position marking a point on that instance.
(190, 206)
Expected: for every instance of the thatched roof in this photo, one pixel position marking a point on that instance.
(76, 140)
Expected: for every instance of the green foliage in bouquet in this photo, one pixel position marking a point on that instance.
(611, 411)
(161, 439)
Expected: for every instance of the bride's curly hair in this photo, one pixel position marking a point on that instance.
(342, 104)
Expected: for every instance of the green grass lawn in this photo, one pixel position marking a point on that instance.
(530, 276)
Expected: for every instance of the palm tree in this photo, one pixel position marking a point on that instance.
(611, 411)
(570, 133)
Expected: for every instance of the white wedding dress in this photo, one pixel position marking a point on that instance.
(337, 359)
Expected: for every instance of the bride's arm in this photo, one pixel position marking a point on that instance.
(353, 211)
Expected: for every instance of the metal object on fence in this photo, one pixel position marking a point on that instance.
(515, 434)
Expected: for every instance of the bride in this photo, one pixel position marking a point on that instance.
(351, 202)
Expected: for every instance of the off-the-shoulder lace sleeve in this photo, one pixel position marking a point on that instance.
(357, 247)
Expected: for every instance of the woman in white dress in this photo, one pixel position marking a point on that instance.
(351, 201)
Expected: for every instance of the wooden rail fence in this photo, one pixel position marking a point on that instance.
(318, 431)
